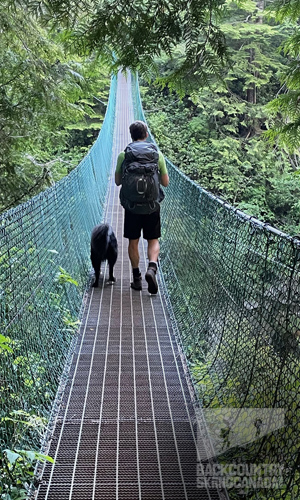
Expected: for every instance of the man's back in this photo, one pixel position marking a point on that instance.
(147, 162)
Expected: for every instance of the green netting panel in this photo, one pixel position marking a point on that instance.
(39, 304)
(233, 285)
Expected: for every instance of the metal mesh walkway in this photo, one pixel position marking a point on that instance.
(126, 425)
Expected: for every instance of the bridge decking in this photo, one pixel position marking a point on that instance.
(126, 425)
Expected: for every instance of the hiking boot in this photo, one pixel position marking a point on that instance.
(137, 283)
(150, 277)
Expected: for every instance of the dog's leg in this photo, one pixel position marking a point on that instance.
(96, 265)
(111, 278)
(111, 258)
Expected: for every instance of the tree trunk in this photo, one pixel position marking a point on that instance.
(251, 91)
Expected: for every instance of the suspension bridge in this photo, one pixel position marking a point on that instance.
(125, 396)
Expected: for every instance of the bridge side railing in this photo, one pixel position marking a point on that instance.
(233, 284)
(44, 268)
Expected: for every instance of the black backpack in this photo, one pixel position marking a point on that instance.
(140, 192)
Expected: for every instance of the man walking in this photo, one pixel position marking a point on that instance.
(140, 169)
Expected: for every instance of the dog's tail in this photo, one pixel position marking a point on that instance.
(108, 235)
(100, 240)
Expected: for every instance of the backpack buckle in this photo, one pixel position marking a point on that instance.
(141, 185)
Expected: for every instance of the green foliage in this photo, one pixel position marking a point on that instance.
(64, 277)
(30, 382)
(17, 472)
(51, 101)
(204, 140)
(289, 9)
(31, 370)
(5, 344)
(209, 34)
(275, 383)
(215, 134)
(20, 421)
(284, 109)
(17, 465)
(285, 120)
(131, 34)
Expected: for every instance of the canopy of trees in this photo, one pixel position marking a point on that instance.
(135, 32)
(234, 66)
(217, 134)
(47, 108)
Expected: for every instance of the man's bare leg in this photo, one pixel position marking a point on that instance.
(153, 252)
(133, 252)
(134, 256)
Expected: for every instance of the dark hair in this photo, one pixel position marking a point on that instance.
(138, 130)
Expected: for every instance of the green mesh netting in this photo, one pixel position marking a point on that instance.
(233, 286)
(44, 245)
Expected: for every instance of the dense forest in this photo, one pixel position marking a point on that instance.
(52, 103)
(221, 134)
(220, 92)
(220, 84)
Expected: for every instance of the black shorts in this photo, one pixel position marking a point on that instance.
(134, 223)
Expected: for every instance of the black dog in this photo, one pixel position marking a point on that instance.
(104, 246)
